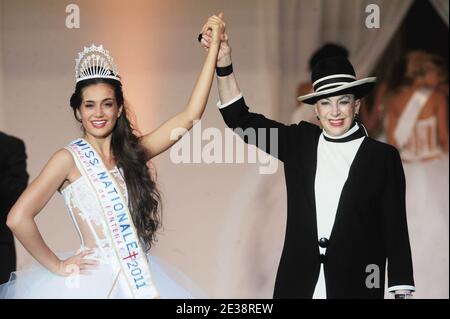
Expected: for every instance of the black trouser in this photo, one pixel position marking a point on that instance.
(7, 261)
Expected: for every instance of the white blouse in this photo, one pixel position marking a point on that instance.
(333, 165)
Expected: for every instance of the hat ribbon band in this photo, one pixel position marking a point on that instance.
(331, 85)
(334, 76)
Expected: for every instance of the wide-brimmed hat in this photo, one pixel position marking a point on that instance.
(336, 76)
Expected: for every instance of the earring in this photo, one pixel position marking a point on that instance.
(318, 118)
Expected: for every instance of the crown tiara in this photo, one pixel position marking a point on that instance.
(95, 62)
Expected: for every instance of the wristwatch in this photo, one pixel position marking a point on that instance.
(403, 295)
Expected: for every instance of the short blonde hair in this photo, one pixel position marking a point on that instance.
(418, 63)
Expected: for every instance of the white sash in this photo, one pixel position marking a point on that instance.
(409, 116)
(122, 232)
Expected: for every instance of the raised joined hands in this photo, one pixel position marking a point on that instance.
(212, 33)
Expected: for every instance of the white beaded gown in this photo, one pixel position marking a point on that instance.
(106, 281)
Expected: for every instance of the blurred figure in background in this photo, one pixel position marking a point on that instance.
(13, 181)
(417, 111)
(417, 126)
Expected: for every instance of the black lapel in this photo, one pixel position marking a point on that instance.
(311, 176)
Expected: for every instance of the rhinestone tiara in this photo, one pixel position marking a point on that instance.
(95, 62)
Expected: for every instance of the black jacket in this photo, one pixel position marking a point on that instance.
(13, 179)
(370, 225)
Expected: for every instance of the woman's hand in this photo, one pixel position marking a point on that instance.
(209, 37)
(77, 264)
(215, 27)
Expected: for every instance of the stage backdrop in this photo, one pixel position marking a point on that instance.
(212, 232)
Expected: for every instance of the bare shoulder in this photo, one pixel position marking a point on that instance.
(398, 100)
(438, 97)
(62, 157)
(55, 173)
(61, 163)
(436, 101)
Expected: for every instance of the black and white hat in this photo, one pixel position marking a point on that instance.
(336, 76)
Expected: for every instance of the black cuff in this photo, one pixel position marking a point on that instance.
(224, 71)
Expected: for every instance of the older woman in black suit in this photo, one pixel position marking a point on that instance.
(346, 192)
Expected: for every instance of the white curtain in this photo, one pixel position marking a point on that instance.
(441, 7)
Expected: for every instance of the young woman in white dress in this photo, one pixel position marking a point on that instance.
(112, 261)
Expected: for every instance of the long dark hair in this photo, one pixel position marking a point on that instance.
(144, 199)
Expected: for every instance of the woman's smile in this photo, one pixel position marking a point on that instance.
(99, 124)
